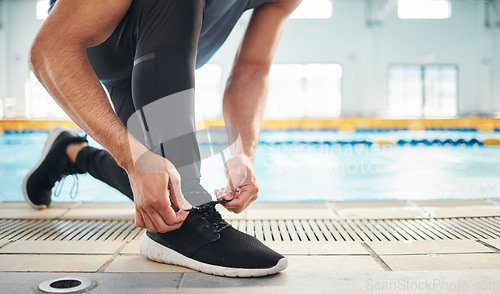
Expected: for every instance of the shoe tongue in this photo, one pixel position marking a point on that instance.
(205, 207)
(208, 211)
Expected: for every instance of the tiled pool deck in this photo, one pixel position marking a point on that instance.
(427, 266)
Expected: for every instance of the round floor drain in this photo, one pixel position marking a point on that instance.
(65, 285)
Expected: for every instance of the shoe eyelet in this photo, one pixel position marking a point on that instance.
(213, 237)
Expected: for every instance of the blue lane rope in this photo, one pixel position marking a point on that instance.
(470, 142)
(413, 142)
(426, 142)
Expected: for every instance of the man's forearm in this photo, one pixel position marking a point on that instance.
(247, 87)
(68, 76)
(244, 101)
(59, 59)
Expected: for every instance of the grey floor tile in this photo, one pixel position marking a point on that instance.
(3, 242)
(290, 213)
(132, 247)
(325, 247)
(369, 204)
(51, 263)
(493, 242)
(288, 205)
(13, 205)
(382, 282)
(107, 283)
(124, 213)
(425, 247)
(62, 247)
(325, 263)
(122, 205)
(463, 211)
(451, 203)
(281, 283)
(381, 213)
(135, 283)
(55, 204)
(23, 204)
(433, 262)
(140, 264)
(30, 213)
(442, 282)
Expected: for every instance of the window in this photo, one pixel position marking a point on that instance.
(440, 85)
(42, 9)
(39, 103)
(424, 9)
(208, 93)
(429, 90)
(8, 108)
(405, 91)
(314, 9)
(304, 91)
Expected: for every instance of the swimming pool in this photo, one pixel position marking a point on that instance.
(316, 166)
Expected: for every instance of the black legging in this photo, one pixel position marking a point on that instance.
(147, 65)
(150, 56)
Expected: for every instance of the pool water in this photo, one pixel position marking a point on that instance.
(311, 172)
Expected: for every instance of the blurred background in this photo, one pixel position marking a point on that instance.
(393, 58)
(369, 99)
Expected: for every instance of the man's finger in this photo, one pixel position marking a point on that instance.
(158, 221)
(234, 181)
(180, 216)
(227, 193)
(247, 194)
(217, 193)
(149, 223)
(177, 197)
(229, 189)
(237, 178)
(175, 186)
(238, 203)
(170, 217)
(177, 219)
(138, 219)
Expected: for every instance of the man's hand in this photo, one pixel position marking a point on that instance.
(242, 188)
(246, 91)
(156, 185)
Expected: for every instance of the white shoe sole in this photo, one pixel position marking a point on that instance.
(159, 253)
(50, 141)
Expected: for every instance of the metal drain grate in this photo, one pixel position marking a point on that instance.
(270, 230)
(53, 230)
(372, 230)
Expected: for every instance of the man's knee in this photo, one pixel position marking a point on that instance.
(163, 71)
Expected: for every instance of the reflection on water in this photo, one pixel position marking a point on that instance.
(299, 172)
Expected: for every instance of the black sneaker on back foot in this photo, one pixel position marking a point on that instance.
(207, 243)
(52, 166)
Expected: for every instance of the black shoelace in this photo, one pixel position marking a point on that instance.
(208, 212)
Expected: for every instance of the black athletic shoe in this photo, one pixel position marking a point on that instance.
(52, 166)
(207, 243)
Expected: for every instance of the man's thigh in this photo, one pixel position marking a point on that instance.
(220, 17)
(149, 24)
